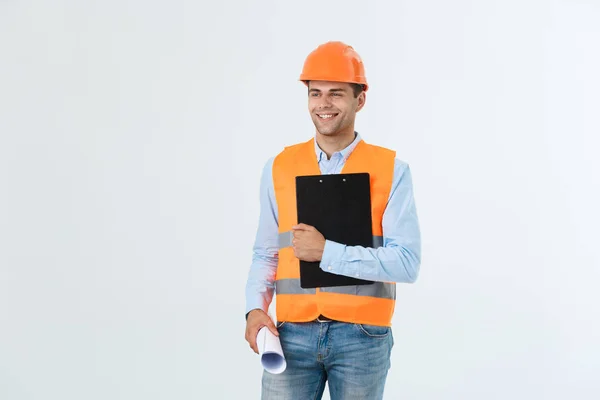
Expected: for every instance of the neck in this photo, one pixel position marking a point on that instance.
(331, 144)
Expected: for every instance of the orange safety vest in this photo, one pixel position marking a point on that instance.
(371, 304)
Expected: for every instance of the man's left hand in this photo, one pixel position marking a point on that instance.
(308, 242)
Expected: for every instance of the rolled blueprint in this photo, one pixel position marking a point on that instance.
(269, 349)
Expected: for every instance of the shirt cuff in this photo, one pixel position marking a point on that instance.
(332, 256)
(257, 304)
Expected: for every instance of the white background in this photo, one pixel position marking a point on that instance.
(132, 137)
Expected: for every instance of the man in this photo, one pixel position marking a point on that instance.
(340, 335)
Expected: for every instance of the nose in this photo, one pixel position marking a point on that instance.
(324, 102)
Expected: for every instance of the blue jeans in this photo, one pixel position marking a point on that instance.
(354, 359)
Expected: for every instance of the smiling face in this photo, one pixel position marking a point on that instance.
(333, 107)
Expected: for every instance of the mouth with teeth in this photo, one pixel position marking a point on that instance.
(327, 117)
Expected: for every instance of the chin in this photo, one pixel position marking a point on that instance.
(327, 132)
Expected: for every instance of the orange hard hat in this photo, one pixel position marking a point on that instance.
(334, 61)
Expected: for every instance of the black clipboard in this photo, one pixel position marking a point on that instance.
(338, 206)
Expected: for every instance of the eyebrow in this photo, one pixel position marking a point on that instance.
(330, 90)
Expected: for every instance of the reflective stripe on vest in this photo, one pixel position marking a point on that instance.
(382, 290)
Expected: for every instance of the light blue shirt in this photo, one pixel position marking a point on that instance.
(398, 260)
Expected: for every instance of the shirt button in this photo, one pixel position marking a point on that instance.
(357, 274)
(329, 268)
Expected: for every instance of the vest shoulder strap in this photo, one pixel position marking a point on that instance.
(380, 151)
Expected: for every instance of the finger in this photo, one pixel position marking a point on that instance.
(272, 328)
(302, 227)
(252, 340)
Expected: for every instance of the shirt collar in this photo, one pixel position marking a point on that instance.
(344, 152)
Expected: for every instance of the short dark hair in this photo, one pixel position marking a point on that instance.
(357, 88)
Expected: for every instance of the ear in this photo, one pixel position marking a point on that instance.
(362, 98)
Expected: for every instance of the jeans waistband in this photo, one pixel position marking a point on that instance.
(322, 318)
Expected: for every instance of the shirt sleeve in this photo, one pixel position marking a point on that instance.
(398, 260)
(261, 276)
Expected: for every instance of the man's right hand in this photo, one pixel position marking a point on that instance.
(256, 320)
